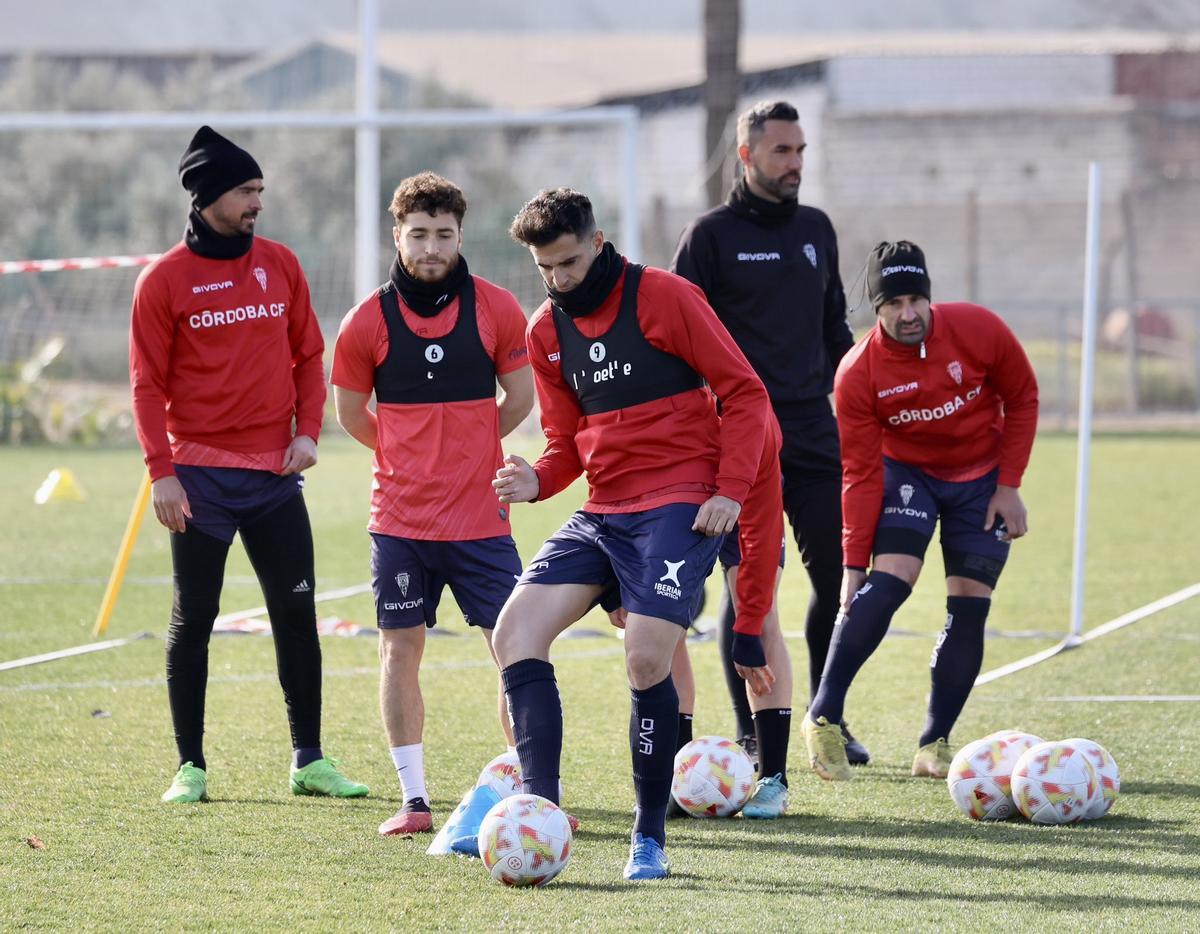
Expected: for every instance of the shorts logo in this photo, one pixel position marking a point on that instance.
(596, 352)
(540, 566)
(906, 492)
(811, 252)
(261, 275)
(402, 580)
(954, 368)
(668, 585)
(406, 605)
(434, 353)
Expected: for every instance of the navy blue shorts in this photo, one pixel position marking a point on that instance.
(224, 499)
(652, 559)
(409, 575)
(913, 502)
(730, 555)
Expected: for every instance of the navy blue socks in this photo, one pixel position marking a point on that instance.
(653, 731)
(773, 729)
(955, 663)
(536, 712)
(854, 639)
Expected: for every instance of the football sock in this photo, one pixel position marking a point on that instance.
(733, 681)
(198, 561)
(859, 634)
(685, 731)
(536, 712)
(773, 729)
(306, 755)
(410, 767)
(823, 606)
(653, 726)
(955, 663)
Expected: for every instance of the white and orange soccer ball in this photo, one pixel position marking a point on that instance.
(1108, 777)
(981, 774)
(1053, 783)
(502, 775)
(713, 777)
(525, 840)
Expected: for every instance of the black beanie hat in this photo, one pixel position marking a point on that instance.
(896, 269)
(212, 165)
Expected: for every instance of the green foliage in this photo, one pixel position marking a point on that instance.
(87, 744)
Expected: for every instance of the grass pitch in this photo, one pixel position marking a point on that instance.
(86, 743)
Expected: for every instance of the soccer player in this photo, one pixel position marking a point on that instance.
(620, 356)
(768, 265)
(224, 356)
(431, 345)
(937, 408)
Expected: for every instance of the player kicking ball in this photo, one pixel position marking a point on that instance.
(937, 408)
(621, 355)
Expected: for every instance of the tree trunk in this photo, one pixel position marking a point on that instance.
(722, 26)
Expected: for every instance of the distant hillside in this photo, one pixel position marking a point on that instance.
(234, 26)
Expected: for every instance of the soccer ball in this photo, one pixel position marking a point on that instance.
(1108, 778)
(980, 775)
(502, 775)
(1053, 783)
(525, 840)
(713, 777)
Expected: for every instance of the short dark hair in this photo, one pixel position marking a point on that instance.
(750, 122)
(551, 213)
(427, 193)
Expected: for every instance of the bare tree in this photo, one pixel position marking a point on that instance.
(722, 81)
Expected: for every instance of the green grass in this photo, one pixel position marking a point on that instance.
(882, 852)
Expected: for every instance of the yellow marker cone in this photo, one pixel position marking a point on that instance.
(60, 483)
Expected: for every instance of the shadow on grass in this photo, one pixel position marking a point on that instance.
(1174, 789)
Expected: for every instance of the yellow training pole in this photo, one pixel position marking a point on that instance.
(118, 571)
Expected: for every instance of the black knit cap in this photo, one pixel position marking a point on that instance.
(895, 269)
(212, 165)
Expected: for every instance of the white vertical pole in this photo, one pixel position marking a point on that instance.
(1091, 277)
(631, 219)
(366, 153)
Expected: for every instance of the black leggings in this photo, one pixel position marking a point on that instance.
(280, 548)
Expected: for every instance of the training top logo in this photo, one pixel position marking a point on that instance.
(402, 580)
(758, 257)
(811, 252)
(261, 275)
(954, 368)
(212, 287)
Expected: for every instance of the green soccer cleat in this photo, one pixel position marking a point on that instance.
(826, 749)
(323, 777)
(769, 799)
(189, 786)
(933, 759)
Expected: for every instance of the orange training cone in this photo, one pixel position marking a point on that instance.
(60, 483)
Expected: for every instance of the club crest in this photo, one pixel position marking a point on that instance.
(261, 275)
(811, 252)
(402, 580)
(906, 492)
(954, 368)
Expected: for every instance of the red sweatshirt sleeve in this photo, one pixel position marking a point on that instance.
(1014, 380)
(559, 464)
(308, 350)
(760, 535)
(151, 331)
(675, 317)
(861, 438)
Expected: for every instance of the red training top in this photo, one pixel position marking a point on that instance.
(224, 353)
(434, 463)
(969, 405)
(760, 536)
(669, 450)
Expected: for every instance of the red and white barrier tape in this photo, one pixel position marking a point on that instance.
(8, 267)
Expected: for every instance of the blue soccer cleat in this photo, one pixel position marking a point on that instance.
(646, 860)
(460, 833)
